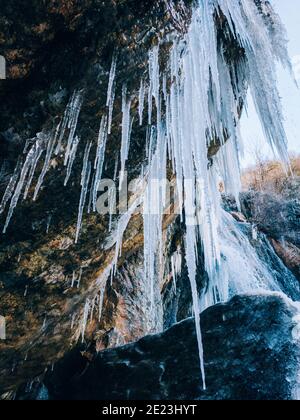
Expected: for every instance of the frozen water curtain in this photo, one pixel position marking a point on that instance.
(191, 107)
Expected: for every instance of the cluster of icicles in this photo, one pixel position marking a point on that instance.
(194, 101)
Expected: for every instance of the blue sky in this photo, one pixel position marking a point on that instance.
(289, 11)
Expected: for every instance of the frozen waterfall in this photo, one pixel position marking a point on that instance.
(196, 103)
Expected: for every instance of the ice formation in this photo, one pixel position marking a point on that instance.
(25, 177)
(10, 187)
(72, 157)
(153, 207)
(85, 179)
(126, 130)
(202, 106)
(111, 91)
(141, 101)
(50, 148)
(100, 156)
(240, 254)
(176, 266)
(70, 121)
(194, 104)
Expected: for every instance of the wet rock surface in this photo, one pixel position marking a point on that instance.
(251, 353)
(51, 49)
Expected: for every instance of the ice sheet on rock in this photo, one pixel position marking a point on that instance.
(245, 268)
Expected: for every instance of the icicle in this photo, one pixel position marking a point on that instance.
(10, 187)
(30, 162)
(191, 258)
(38, 150)
(261, 52)
(111, 91)
(112, 75)
(69, 121)
(153, 206)
(126, 129)
(91, 194)
(164, 87)
(85, 317)
(116, 168)
(44, 323)
(49, 218)
(101, 298)
(73, 321)
(85, 178)
(73, 279)
(72, 124)
(50, 147)
(100, 155)
(79, 278)
(112, 201)
(72, 156)
(176, 265)
(116, 237)
(153, 91)
(92, 309)
(141, 101)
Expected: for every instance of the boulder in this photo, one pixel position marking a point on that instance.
(251, 350)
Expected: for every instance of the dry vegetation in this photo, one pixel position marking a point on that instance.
(271, 176)
(271, 201)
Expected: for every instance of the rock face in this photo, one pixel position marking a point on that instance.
(52, 49)
(278, 216)
(251, 347)
(290, 255)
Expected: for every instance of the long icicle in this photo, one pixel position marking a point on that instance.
(85, 178)
(10, 187)
(100, 155)
(28, 166)
(50, 148)
(126, 130)
(111, 91)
